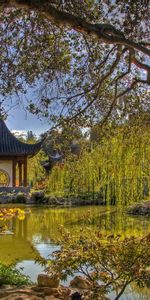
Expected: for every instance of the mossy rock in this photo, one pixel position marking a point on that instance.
(19, 198)
(140, 209)
(38, 197)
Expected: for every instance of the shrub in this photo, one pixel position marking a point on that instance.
(9, 275)
(109, 263)
(38, 197)
(19, 198)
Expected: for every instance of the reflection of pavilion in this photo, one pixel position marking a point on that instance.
(17, 247)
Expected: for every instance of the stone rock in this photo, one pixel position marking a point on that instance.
(48, 291)
(76, 296)
(3, 294)
(64, 292)
(51, 298)
(35, 292)
(80, 282)
(37, 196)
(48, 280)
(140, 209)
(19, 296)
(13, 292)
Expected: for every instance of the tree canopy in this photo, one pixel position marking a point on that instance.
(83, 60)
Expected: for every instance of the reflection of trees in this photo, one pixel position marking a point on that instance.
(20, 228)
(136, 293)
(17, 247)
(43, 224)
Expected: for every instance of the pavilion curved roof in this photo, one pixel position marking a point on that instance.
(11, 146)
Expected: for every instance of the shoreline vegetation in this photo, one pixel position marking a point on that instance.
(41, 198)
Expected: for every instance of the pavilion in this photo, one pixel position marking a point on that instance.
(13, 155)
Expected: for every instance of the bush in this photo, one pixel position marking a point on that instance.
(9, 275)
(109, 263)
(38, 197)
(19, 198)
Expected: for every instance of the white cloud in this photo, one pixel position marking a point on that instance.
(19, 133)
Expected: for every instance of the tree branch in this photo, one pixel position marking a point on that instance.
(123, 289)
(119, 96)
(113, 66)
(140, 65)
(104, 32)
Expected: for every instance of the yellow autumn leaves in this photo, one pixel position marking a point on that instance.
(7, 213)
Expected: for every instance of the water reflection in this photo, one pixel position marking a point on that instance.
(33, 235)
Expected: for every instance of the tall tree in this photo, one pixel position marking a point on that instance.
(89, 58)
(31, 137)
(64, 141)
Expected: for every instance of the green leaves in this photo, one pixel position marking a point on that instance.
(9, 275)
(76, 70)
(109, 263)
(115, 171)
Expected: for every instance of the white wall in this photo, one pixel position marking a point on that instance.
(6, 165)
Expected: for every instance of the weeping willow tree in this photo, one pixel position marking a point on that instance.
(36, 172)
(115, 171)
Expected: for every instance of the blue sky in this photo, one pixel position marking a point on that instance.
(18, 119)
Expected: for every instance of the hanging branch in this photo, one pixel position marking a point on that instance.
(105, 33)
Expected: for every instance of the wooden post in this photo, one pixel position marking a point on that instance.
(25, 171)
(14, 173)
(20, 173)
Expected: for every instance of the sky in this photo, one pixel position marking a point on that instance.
(18, 120)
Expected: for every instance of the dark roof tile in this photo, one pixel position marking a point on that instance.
(10, 145)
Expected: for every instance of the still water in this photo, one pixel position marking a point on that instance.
(33, 236)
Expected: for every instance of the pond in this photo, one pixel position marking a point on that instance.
(31, 237)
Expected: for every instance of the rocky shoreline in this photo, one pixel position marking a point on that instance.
(49, 288)
(40, 198)
(142, 209)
